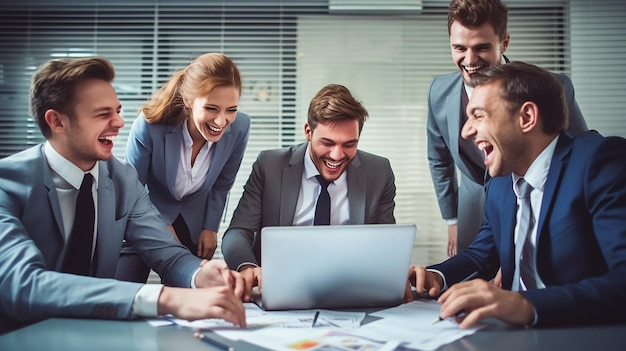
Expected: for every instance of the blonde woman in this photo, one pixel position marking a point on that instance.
(187, 145)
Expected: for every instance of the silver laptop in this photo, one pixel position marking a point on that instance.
(335, 266)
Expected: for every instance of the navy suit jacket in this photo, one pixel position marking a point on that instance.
(271, 194)
(32, 245)
(154, 151)
(581, 235)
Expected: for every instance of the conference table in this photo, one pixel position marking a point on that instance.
(92, 334)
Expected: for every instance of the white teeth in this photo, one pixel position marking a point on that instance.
(482, 146)
(213, 129)
(332, 165)
(108, 137)
(472, 68)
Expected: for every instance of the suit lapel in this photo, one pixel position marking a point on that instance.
(53, 199)
(292, 179)
(105, 242)
(453, 114)
(173, 141)
(557, 167)
(509, 210)
(357, 180)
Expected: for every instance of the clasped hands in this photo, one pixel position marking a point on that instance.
(479, 298)
(218, 294)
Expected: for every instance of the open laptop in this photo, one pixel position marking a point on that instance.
(309, 267)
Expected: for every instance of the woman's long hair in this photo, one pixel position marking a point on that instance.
(203, 74)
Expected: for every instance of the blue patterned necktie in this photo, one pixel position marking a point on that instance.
(525, 253)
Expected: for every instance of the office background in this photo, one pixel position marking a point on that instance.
(385, 51)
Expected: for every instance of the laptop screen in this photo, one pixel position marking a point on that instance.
(308, 267)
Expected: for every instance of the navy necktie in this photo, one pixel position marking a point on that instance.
(322, 208)
(78, 253)
(525, 253)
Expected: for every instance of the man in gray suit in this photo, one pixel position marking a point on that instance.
(283, 188)
(49, 268)
(478, 39)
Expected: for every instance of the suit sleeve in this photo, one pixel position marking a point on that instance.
(387, 203)
(139, 148)
(440, 161)
(237, 243)
(577, 123)
(217, 195)
(481, 257)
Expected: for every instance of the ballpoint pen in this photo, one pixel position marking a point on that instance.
(456, 315)
(463, 311)
(317, 314)
(213, 342)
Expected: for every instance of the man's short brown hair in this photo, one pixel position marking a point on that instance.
(475, 13)
(333, 103)
(53, 85)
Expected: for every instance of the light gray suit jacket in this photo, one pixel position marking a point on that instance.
(444, 132)
(32, 244)
(154, 151)
(271, 193)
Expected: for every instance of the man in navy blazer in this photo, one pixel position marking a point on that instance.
(577, 244)
(282, 188)
(77, 110)
(478, 40)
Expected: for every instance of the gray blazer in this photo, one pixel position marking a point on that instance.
(32, 244)
(271, 193)
(154, 151)
(444, 131)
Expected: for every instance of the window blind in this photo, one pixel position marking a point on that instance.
(598, 47)
(287, 50)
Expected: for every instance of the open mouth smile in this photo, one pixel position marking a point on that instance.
(214, 130)
(486, 148)
(332, 165)
(107, 140)
(473, 69)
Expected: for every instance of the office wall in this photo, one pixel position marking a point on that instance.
(598, 48)
(287, 50)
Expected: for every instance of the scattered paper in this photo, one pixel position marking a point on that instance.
(412, 323)
(409, 325)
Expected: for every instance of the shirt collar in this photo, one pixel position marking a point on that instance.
(186, 136)
(66, 169)
(537, 173)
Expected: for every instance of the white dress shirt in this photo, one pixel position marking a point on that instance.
(310, 190)
(191, 178)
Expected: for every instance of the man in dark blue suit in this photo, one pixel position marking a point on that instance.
(571, 268)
